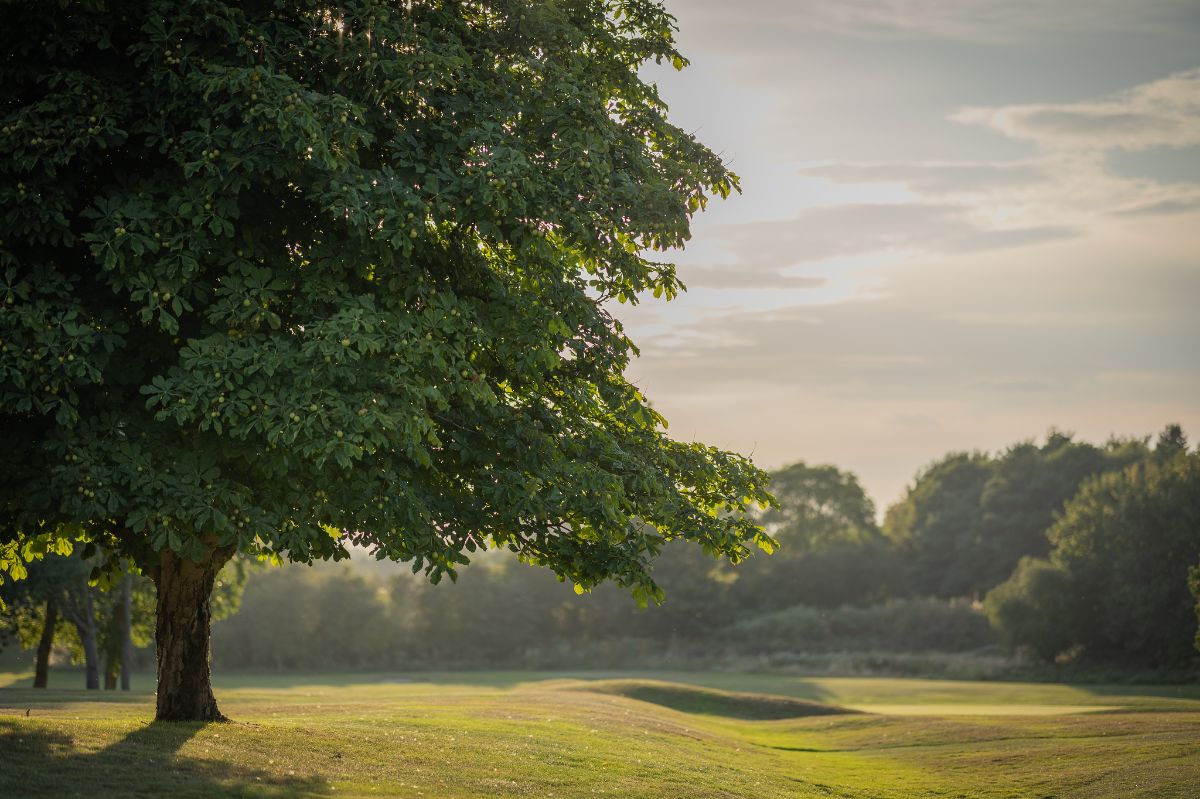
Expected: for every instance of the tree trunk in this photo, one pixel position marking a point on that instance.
(41, 675)
(88, 636)
(110, 674)
(126, 630)
(182, 637)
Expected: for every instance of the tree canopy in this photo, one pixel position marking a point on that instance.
(968, 519)
(831, 550)
(1115, 586)
(279, 278)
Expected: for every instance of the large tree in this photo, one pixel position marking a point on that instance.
(282, 277)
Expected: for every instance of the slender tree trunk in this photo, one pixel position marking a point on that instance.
(41, 675)
(88, 637)
(182, 637)
(126, 631)
(111, 666)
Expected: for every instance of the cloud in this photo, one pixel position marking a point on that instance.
(1073, 183)
(935, 178)
(761, 254)
(1164, 113)
(957, 20)
(902, 283)
(984, 348)
(1174, 206)
(979, 319)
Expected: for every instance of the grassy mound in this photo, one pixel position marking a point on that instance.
(712, 702)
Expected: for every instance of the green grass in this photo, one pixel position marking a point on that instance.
(586, 735)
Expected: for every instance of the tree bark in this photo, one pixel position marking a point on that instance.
(182, 637)
(126, 631)
(88, 637)
(41, 675)
(79, 609)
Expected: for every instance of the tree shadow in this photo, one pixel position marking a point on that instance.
(37, 760)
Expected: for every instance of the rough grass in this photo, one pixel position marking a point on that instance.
(706, 735)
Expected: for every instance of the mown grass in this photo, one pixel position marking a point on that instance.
(505, 734)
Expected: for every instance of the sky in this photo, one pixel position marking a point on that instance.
(963, 224)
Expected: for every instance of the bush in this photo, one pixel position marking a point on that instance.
(906, 625)
(1034, 608)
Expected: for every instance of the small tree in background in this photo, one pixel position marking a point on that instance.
(1036, 609)
(282, 277)
(102, 626)
(831, 549)
(932, 525)
(56, 590)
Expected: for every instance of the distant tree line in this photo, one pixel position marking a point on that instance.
(1114, 585)
(1064, 550)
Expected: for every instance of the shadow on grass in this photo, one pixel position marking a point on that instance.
(708, 701)
(24, 697)
(37, 760)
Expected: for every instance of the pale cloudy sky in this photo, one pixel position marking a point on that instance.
(964, 222)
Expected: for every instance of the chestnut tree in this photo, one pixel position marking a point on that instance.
(280, 278)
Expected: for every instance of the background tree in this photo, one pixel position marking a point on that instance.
(1036, 609)
(1028, 487)
(56, 589)
(282, 277)
(934, 522)
(832, 552)
(29, 617)
(968, 520)
(103, 626)
(1116, 584)
(1194, 585)
(343, 623)
(126, 619)
(1171, 441)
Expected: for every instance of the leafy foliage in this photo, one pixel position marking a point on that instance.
(1115, 586)
(819, 506)
(831, 550)
(1035, 609)
(1194, 586)
(281, 277)
(968, 519)
(835, 586)
(65, 581)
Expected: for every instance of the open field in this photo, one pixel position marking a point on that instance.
(586, 735)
